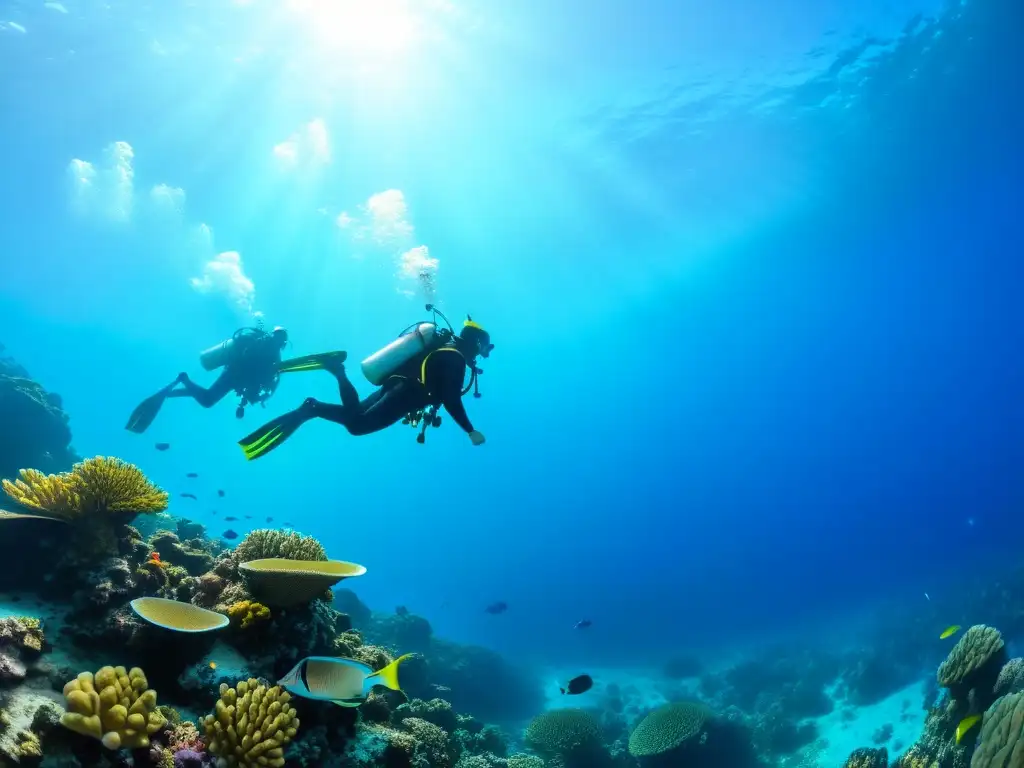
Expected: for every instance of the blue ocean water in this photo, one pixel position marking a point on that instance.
(752, 272)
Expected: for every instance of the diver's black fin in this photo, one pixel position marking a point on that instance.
(273, 433)
(147, 410)
(312, 362)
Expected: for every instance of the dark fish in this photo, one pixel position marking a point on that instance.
(230, 518)
(188, 496)
(162, 446)
(213, 511)
(290, 525)
(270, 519)
(220, 493)
(495, 608)
(583, 624)
(580, 684)
(229, 534)
(248, 517)
(192, 474)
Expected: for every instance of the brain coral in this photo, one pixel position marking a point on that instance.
(980, 650)
(668, 727)
(1000, 744)
(1011, 677)
(562, 731)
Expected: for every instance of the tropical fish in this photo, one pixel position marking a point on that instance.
(162, 446)
(949, 631)
(583, 624)
(495, 608)
(192, 474)
(270, 519)
(965, 725)
(229, 534)
(188, 496)
(213, 665)
(220, 493)
(346, 682)
(231, 518)
(580, 684)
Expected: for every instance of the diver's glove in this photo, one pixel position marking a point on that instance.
(477, 437)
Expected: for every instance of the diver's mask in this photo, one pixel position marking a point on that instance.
(474, 335)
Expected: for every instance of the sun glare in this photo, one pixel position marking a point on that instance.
(359, 27)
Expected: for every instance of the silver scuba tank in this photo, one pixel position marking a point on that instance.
(213, 358)
(384, 362)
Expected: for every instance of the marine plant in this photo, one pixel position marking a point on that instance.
(668, 728)
(115, 706)
(250, 725)
(264, 543)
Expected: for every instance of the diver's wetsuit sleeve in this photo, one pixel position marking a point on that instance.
(450, 371)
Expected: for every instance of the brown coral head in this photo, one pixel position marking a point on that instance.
(281, 582)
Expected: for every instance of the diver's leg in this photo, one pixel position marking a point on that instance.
(206, 397)
(347, 391)
(385, 407)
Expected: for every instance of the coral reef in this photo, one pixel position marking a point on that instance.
(251, 724)
(247, 613)
(569, 735)
(21, 643)
(115, 706)
(868, 758)
(264, 543)
(669, 728)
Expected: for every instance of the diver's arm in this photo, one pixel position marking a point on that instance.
(451, 378)
(452, 402)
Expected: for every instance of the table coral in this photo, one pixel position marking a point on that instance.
(250, 725)
(114, 706)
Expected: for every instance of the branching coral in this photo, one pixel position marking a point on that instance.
(114, 706)
(668, 728)
(246, 613)
(95, 486)
(868, 758)
(525, 761)
(250, 725)
(433, 740)
(560, 732)
(265, 543)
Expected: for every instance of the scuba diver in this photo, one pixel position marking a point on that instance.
(249, 359)
(416, 374)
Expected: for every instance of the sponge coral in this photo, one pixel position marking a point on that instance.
(560, 732)
(250, 725)
(975, 661)
(668, 728)
(114, 706)
(93, 487)
(245, 613)
(265, 543)
(1001, 734)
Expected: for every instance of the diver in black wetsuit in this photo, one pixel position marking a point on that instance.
(249, 359)
(431, 379)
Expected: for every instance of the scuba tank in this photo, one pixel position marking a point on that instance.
(414, 341)
(217, 355)
(221, 354)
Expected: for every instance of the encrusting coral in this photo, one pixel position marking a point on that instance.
(250, 725)
(265, 543)
(96, 486)
(114, 706)
(245, 613)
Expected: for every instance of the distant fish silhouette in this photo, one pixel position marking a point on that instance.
(580, 684)
(495, 608)
(192, 474)
(220, 493)
(162, 446)
(213, 511)
(583, 624)
(188, 496)
(230, 519)
(290, 525)
(229, 534)
(248, 517)
(270, 519)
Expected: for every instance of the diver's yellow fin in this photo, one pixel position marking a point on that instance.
(389, 675)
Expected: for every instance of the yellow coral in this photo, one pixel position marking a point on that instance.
(29, 745)
(248, 612)
(94, 486)
(115, 706)
(250, 725)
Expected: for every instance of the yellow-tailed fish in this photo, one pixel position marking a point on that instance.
(213, 665)
(965, 725)
(949, 631)
(346, 682)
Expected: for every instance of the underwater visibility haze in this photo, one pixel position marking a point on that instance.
(740, 286)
